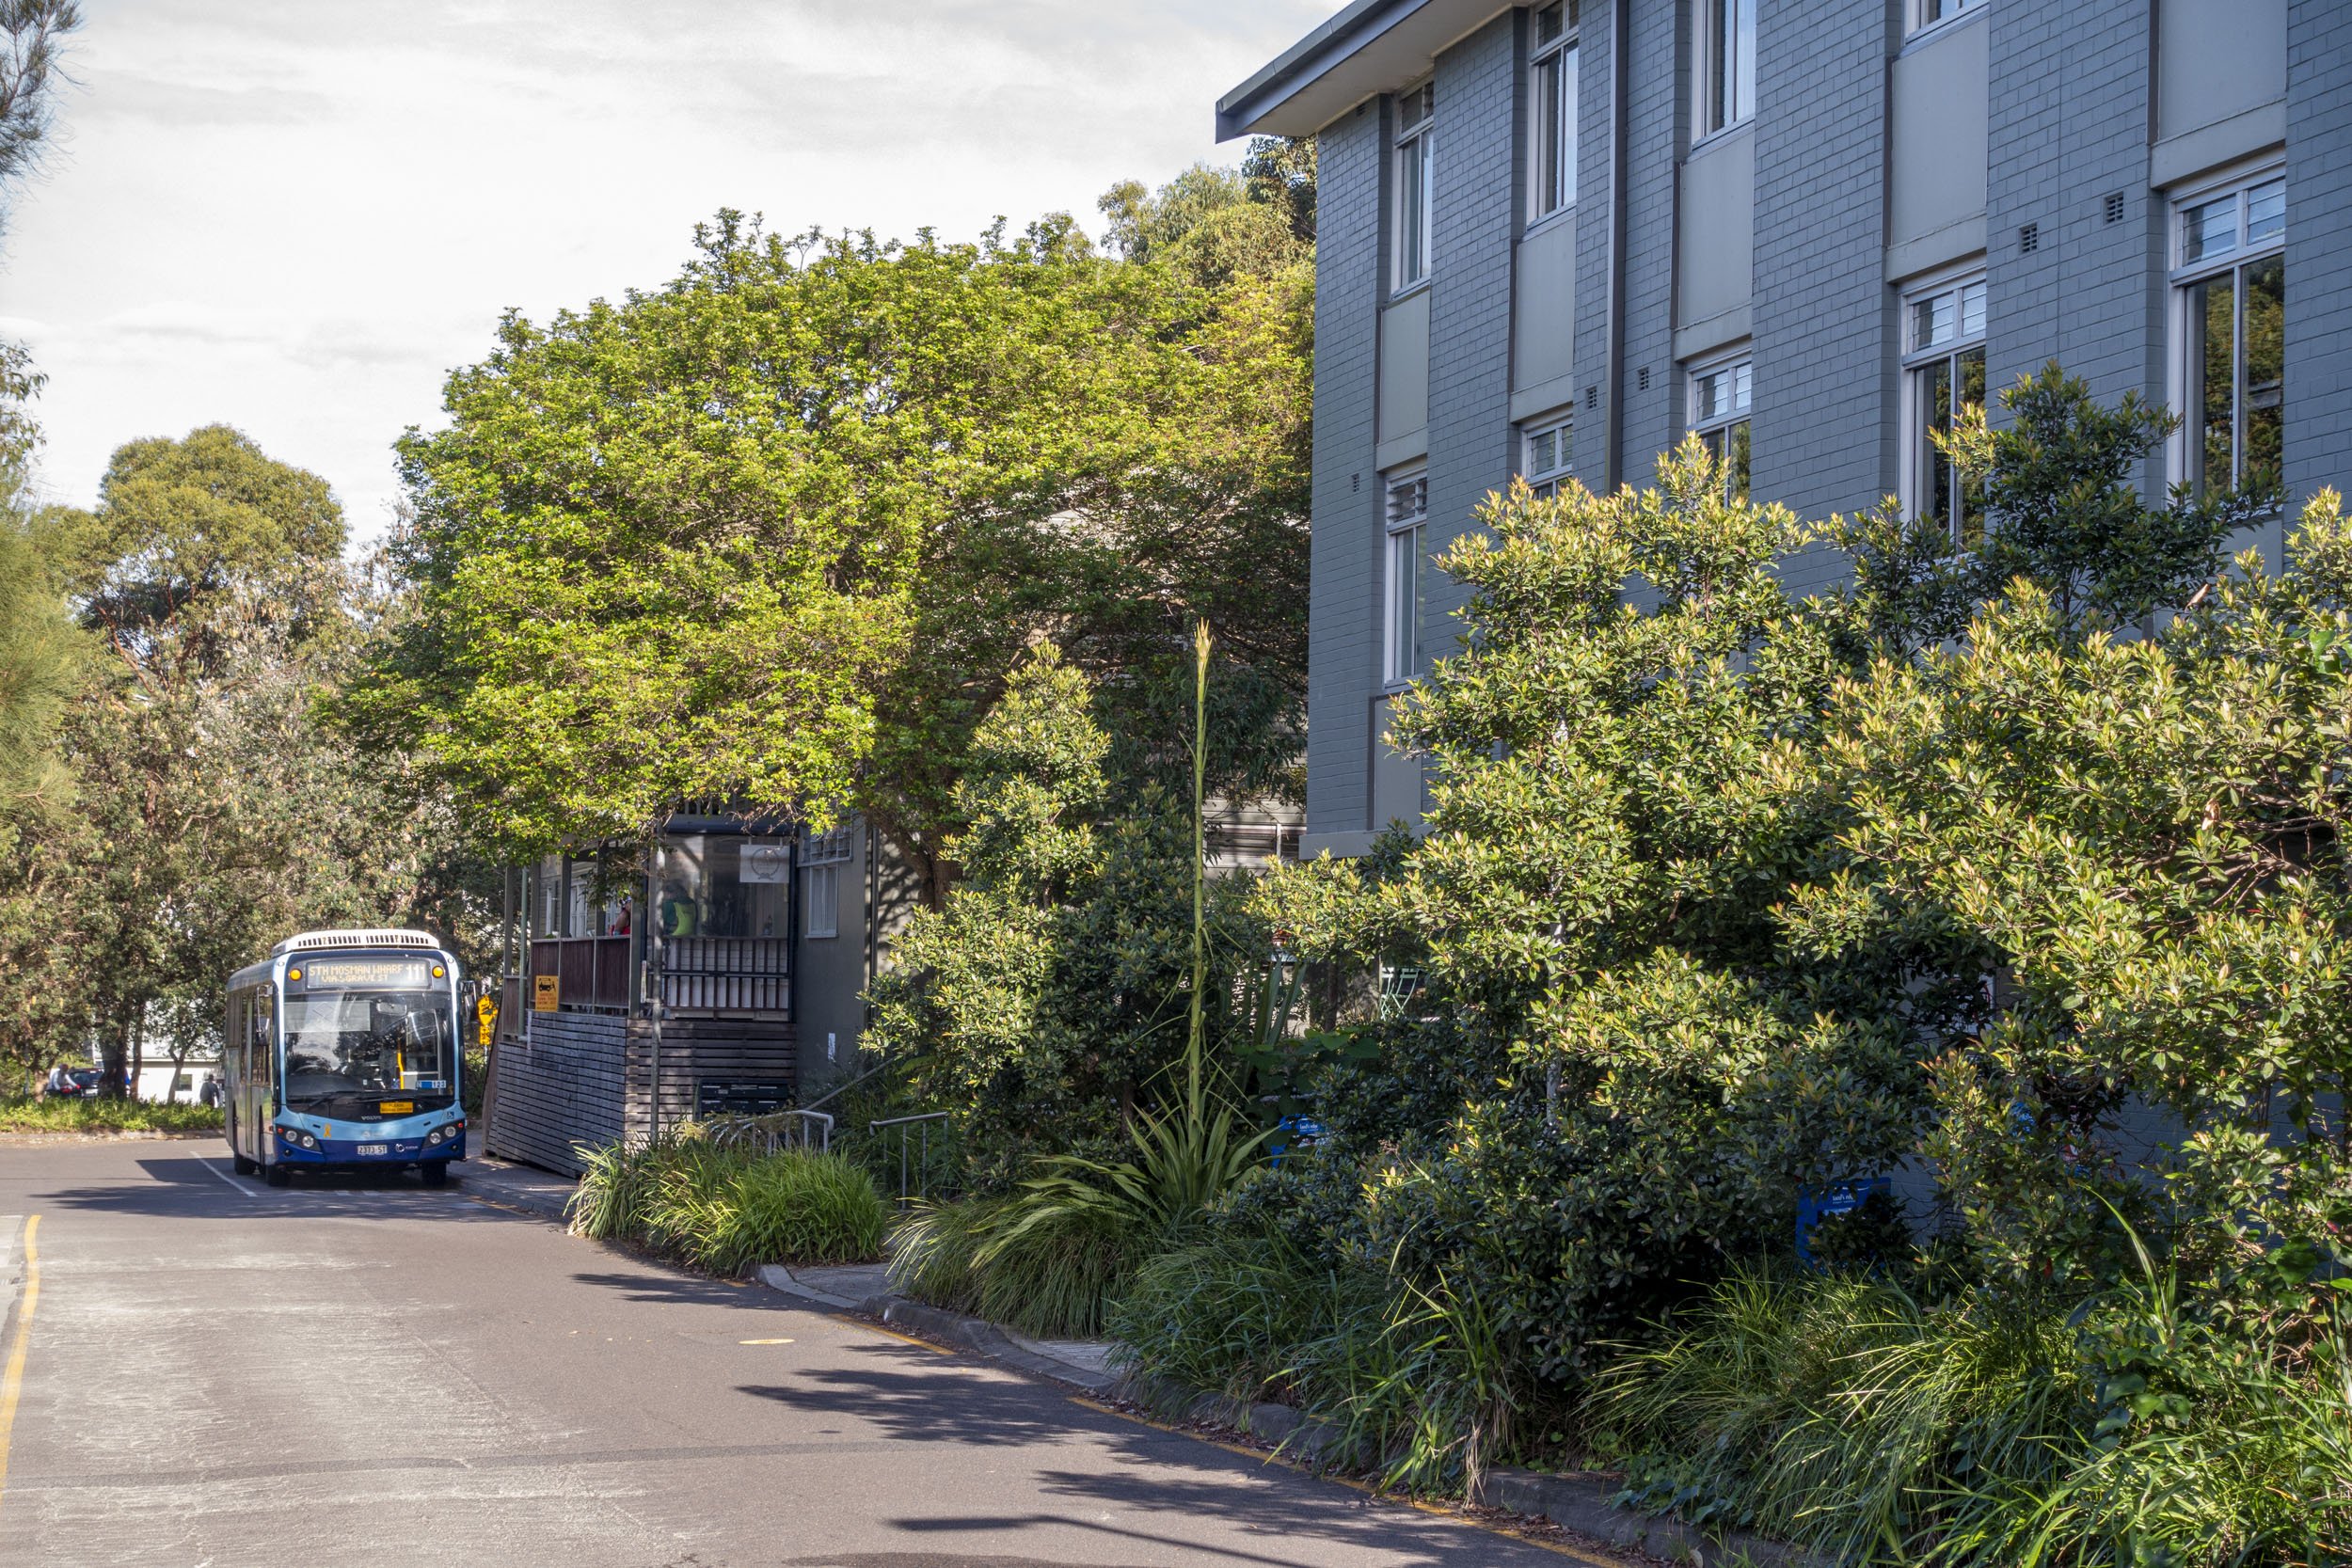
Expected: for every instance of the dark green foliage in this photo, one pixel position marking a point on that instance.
(1992, 1430)
(1047, 1002)
(726, 1210)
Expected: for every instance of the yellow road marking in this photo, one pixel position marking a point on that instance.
(877, 1328)
(12, 1383)
(1367, 1488)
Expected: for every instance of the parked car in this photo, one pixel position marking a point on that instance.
(81, 1082)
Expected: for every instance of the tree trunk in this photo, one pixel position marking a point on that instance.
(114, 1055)
(138, 1053)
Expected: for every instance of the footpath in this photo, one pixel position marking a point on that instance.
(1578, 1504)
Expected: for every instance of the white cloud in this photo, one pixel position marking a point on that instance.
(297, 216)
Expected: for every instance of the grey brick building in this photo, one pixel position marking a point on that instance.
(1554, 237)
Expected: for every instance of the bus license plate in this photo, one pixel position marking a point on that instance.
(376, 1149)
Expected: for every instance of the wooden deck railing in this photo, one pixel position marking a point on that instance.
(752, 975)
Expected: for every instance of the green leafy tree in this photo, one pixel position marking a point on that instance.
(2150, 832)
(212, 813)
(1614, 818)
(41, 654)
(1048, 1001)
(32, 39)
(778, 532)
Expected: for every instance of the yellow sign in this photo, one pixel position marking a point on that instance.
(487, 1010)
(396, 1107)
(544, 990)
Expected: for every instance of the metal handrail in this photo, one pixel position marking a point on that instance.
(923, 1161)
(839, 1090)
(824, 1131)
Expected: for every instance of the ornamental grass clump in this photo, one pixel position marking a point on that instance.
(726, 1210)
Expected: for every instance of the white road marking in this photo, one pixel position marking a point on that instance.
(222, 1174)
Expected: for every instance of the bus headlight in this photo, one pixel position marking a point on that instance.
(297, 1137)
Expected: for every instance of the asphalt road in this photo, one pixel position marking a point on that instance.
(367, 1373)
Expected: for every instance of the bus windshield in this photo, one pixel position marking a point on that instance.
(359, 1046)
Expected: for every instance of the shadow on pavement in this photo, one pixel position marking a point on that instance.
(187, 1187)
(925, 1403)
(664, 1282)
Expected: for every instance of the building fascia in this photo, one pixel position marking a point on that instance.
(1369, 47)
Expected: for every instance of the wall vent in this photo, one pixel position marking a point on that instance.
(2029, 239)
(2114, 207)
(1592, 397)
(1355, 484)
(1644, 378)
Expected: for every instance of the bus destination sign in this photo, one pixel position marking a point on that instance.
(388, 973)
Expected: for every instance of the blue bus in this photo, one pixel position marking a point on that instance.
(341, 1050)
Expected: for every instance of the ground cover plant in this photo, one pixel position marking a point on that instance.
(38, 1114)
(728, 1210)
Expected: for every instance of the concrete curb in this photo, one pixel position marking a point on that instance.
(476, 1180)
(974, 1335)
(1581, 1503)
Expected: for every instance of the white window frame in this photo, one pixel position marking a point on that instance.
(1924, 14)
(1413, 177)
(1552, 113)
(822, 855)
(1722, 60)
(2183, 463)
(1712, 425)
(1547, 453)
(1955, 329)
(1404, 507)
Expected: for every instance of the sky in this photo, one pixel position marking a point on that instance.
(296, 216)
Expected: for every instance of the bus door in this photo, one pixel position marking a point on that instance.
(255, 1111)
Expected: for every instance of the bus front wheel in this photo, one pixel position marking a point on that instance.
(241, 1166)
(278, 1176)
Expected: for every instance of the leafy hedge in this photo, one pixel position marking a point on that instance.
(726, 1210)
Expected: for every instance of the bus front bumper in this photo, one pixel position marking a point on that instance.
(366, 1151)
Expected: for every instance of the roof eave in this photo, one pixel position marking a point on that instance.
(1367, 48)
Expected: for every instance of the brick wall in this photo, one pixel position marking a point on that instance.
(1478, 219)
(2319, 247)
(1344, 620)
(1825, 321)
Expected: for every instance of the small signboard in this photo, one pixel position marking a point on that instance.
(741, 1097)
(546, 990)
(765, 862)
(486, 1010)
(1815, 1204)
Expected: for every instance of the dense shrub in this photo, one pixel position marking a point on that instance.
(1053, 1277)
(726, 1210)
(1047, 1003)
(1415, 1384)
(1990, 1431)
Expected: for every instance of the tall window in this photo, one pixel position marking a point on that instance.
(1926, 13)
(2230, 285)
(1416, 165)
(1408, 520)
(1546, 451)
(1719, 412)
(1943, 361)
(821, 860)
(1726, 63)
(1551, 102)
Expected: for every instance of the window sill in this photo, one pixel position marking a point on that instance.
(1409, 290)
(1921, 37)
(1549, 221)
(1708, 142)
